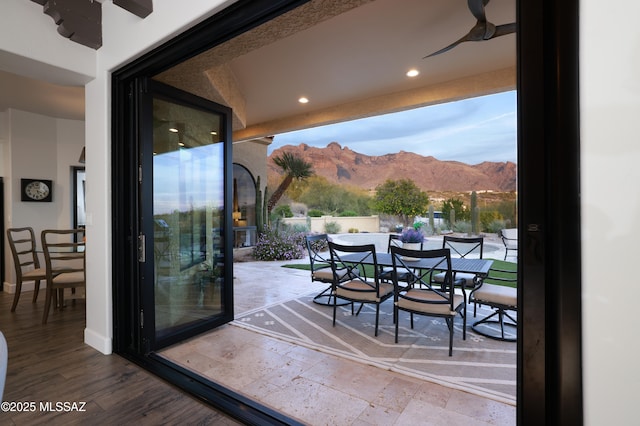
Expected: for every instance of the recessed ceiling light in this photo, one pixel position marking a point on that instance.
(213, 132)
(173, 130)
(303, 100)
(412, 72)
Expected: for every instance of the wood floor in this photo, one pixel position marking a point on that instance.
(50, 364)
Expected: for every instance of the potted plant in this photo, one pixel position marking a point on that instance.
(412, 238)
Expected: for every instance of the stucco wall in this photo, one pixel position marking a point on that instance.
(318, 224)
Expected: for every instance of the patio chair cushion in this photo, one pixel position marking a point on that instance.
(354, 289)
(438, 309)
(498, 294)
(327, 275)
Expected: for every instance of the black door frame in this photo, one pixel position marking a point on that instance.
(156, 90)
(549, 345)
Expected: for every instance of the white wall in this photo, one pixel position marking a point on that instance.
(30, 46)
(39, 147)
(610, 157)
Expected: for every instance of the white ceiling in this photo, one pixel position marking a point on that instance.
(352, 58)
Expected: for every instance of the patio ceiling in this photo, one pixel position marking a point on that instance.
(349, 58)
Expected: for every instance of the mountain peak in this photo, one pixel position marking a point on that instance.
(342, 165)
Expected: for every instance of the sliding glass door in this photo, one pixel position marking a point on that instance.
(184, 146)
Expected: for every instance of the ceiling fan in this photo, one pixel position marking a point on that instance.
(482, 30)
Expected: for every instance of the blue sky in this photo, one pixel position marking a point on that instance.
(471, 131)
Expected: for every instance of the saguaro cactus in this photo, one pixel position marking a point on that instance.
(431, 221)
(474, 213)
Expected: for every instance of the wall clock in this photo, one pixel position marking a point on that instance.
(37, 190)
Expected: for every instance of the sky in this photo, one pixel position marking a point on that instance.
(471, 131)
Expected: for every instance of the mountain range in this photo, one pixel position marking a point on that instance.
(341, 165)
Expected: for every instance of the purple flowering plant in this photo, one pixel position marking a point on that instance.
(274, 244)
(412, 235)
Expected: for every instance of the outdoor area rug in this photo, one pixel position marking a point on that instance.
(479, 365)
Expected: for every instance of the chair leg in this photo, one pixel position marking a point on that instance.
(449, 321)
(335, 307)
(377, 316)
(395, 313)
(16, 296)
(464, 324)
(412, 320)
(36, 290)
(47, 304)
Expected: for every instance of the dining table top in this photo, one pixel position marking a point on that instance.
(473, 266)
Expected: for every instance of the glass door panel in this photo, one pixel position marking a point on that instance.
(188, 209)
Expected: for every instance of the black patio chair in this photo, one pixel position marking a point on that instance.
(320, 262)
(425, 297)
(350, 281)
(492, 292)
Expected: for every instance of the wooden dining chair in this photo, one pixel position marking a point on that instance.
(65, 264)
(22, 242)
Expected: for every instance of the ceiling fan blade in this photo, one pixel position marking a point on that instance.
(477, 9)
(504, 29)
(467, 37)
(482, 30)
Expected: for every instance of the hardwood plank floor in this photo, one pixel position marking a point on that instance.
(50, 363)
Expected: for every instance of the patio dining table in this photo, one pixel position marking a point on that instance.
(479, 267)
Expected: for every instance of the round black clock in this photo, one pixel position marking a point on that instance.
(36, 190)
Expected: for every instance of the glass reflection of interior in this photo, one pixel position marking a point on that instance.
(244, 207)
(188, 200)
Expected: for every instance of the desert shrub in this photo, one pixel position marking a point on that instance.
(332, 228)
(487, 217)
(300, 228)
(283, 210)
(462, 227)
(274, 244)
(353, 230)
(496, 226)
(315, 213)
(348, 213)
(298, 209)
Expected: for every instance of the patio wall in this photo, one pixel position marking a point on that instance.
(361, 223)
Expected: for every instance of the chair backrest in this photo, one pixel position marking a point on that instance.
(424, 265)
(394, 241)
(502, 276)
(63, 250)
(357, 262)
(22, 242)
(316, 248)
(510, 237)
(470, 248)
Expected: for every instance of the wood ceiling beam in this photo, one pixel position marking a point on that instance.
(81, 20)
(140, 8)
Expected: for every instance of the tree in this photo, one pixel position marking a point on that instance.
(294, 167)
(457, 205)
(401, 198)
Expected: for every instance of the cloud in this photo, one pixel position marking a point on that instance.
(471, 131)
